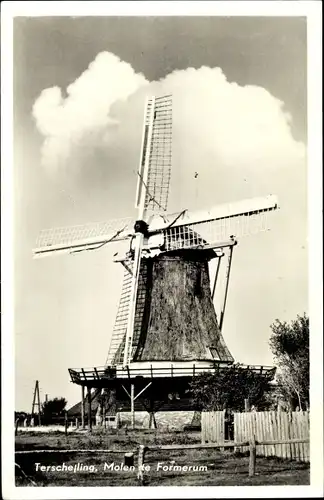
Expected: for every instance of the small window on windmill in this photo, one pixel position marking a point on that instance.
(214, 352)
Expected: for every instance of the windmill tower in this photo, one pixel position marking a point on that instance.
(166, 330)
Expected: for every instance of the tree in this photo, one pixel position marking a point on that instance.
(229, 388)
(54, 408)
(289, 344)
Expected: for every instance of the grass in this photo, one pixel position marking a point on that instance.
(102, 439)
(223, 468)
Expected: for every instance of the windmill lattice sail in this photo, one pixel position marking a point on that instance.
(152, 193)
(206, 229)
(157, 146)
(115, 352)
(117, 343)
(62, 240)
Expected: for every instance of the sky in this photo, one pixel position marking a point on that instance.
(239, 111)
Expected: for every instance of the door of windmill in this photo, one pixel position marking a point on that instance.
(213, 426)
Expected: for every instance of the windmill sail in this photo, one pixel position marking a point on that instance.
(206, 229)
(160, 157)
(71, 239)
(116, 354)
(117, 343)
(151, 197)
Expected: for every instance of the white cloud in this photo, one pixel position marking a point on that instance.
(64, 122)
(220, 128)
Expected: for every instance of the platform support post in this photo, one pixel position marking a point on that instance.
(89, 410)
(104, 414)
(82, 407)
(132, 406)
(152, 421)
(65, 423)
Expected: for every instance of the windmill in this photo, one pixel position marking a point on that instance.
(166, 329)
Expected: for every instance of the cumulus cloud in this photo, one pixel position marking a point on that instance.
(64, 122)
(238, 138)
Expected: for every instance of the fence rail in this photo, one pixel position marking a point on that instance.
(142, 450)
(276, 433)
(69, 450)
(252, 444)
(288, 433)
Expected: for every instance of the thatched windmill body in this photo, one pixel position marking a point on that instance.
(166, 330)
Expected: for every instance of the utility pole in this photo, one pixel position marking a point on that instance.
(36, 402)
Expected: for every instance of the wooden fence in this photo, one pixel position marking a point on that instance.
(286, 428)
(213, 426)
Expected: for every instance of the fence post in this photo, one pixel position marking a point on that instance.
(246, 405)
(140, 463)
(252, 456)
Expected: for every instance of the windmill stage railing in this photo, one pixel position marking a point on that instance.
(100, 375)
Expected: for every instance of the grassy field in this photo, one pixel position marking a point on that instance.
(221, 468)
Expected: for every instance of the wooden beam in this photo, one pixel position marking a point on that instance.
(65, 423)
(165, 447)
(104, 413)
(140, 465)
(82, 408)
(228, 444)
(216, 277)
(89, 410)
(228, 271)
(132, 406)
(141, 392)
(252, 447)
(126, 391)
(72, 450)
